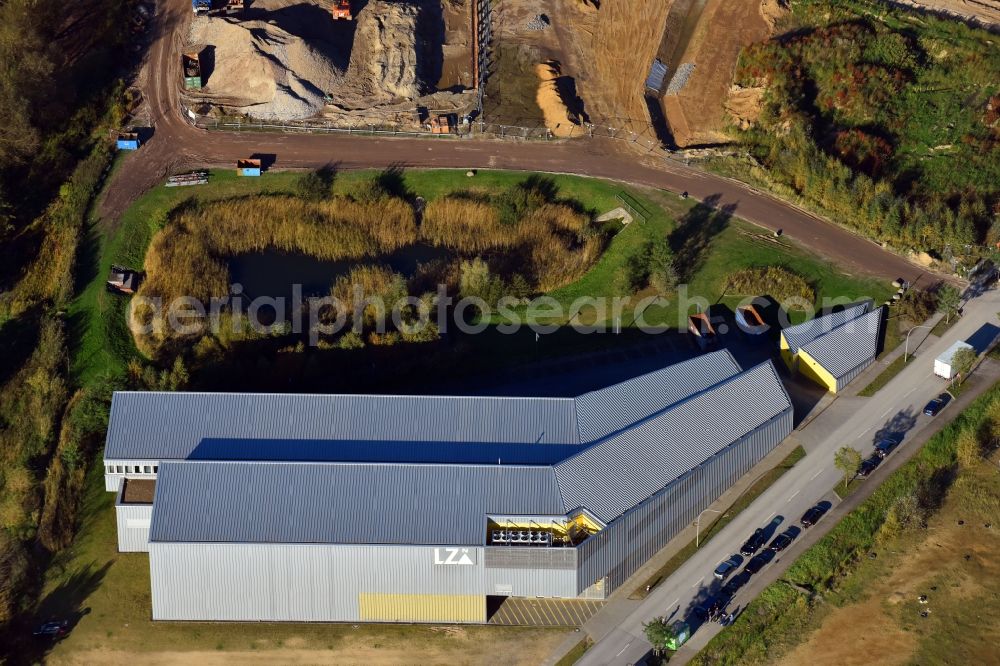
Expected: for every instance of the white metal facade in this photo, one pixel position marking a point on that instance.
(323, 583)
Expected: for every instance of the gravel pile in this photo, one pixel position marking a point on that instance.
(680, 78)
(540, 22)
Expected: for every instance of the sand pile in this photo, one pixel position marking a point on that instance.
(387, 53)
(288, 60)
(550, 99)
(263, 70)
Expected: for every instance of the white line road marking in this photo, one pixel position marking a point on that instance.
(886, 412)
(773, 514)
(623, 649)
(793, 495)
(815, 475)
(698, 582)
(675, 601)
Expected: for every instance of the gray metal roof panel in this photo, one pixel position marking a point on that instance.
(849, 345)
(802, 334)
(169, 426)
(618, 473)
(255, 502)
(615, 408)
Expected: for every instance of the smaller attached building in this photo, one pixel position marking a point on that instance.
(833, 350)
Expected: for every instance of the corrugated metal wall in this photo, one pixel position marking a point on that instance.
(625, 545)
(322, 583)
(842, 382)
(133, 527)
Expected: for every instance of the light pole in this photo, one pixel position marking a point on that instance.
(697, 528)
(906, 350)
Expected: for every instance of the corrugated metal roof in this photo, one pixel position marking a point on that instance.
(609, 410)
(849, 345)
(618, 473)
(172, 426)
(395, 501)
(169, 426)
(248, 502)
(657, 76)
(800, 335)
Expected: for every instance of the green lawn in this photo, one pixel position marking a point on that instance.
(884, 377)
(742, 245)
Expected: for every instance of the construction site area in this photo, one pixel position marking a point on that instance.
(652, 71)
(345, 63)
(659, 73)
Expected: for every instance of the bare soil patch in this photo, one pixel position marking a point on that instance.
(697, 113)
(605, 52)
(984, 12)
(955, 566)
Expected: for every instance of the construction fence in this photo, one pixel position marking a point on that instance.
(646, 140)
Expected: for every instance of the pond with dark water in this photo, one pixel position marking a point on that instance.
(274, 273)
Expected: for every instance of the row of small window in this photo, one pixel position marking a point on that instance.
(133, 469)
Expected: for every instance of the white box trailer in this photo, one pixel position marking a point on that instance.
(943, 363)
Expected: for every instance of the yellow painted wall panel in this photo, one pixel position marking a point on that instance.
(376, 607)
(809, 367)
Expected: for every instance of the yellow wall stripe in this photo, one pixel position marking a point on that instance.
(376, 607)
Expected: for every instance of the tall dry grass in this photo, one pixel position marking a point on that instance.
(549, 242)
(188, 258)
(464, 224)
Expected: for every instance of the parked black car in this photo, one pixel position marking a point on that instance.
(759, 561)
(52, 629)
(886, 446)
(869, 465)
(734, 584)
(781, 542)
(710, 608)
(937, 404)
(812, 516)
(754, 543)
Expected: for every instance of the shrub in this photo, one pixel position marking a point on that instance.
(779, 283)
(917, 305)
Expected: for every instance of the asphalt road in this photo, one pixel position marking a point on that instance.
(176, 145)
(849, 421)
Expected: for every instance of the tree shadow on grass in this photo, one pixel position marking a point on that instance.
(692, 238)
(18, 338)
(64, 603)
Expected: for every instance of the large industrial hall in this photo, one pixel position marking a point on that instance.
(268, 507)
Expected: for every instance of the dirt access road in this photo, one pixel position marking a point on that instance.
(176, 145)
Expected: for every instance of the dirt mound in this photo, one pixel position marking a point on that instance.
(550, 99)
(773, 11)
(744, 105)
(263, 70)
(287, 60)
(386, 58)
